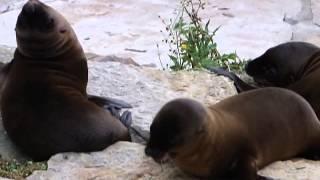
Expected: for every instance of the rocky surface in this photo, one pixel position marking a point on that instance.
(125, 161)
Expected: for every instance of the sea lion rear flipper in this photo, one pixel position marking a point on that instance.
(107, 102)
(143, 135)
(114, 106)
(126, 119)
(240, 85)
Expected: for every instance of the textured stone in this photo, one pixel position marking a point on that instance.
(315, 5)
(121, 161)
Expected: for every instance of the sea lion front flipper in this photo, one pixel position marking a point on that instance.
(114, 112)
(244, 169)
(126, 119)
(240, 85)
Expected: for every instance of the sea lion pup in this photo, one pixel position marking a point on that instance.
(237, 136)
(44, 104)
(292, 65)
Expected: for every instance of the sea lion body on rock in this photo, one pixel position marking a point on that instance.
(292, 65)
(44, 104)
(237, 136)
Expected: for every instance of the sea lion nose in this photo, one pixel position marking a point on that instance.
(153, 152)
(30, 7)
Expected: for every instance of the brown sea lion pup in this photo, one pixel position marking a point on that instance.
(237, 136)
(292, 65)
(44, 104)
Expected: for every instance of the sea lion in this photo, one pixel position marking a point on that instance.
(291, 65)
(44, 103)
(284, 64)
(236, 137)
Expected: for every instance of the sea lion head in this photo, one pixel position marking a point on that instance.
(175, 126)
(42, 32)
(280, 65)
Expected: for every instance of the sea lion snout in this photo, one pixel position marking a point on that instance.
(35, 16)
(153, 152)
(30, 7)
(156, 154)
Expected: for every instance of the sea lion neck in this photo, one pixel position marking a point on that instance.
(206, 138)
(312, 65)
(59, 53)
(53, 50)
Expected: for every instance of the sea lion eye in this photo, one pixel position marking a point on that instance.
(63, 31)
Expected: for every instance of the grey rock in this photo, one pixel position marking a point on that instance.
(4, 8)
(315, 5)
(122, 161)
(6, 53)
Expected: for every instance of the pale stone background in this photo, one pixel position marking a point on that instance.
(108, 27)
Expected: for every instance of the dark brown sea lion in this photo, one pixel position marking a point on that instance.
(292, 65)
(44, 103)
(237, 136)
(284, 64)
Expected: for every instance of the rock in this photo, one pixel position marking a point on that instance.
(315, 5)
(6, 53)
(295, 169)
(113, 58)
(4, 8)
(123, 160)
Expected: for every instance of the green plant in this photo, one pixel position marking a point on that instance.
(191, 43)
(19, 170)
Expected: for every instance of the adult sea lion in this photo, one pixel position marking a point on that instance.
(291, 65)
(237, 136)
(44, 104)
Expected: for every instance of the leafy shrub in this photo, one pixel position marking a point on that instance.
(191, 43)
